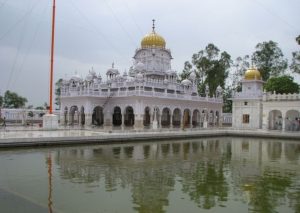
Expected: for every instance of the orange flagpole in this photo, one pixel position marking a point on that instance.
(52, 57)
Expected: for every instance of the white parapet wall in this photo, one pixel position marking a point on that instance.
(24, 116)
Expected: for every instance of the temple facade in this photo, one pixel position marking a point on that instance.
(150, 95)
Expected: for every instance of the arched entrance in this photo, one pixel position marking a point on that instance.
(186, 118)
(211, 118)
(176, 117)
(217, 118)
(74, 115)
(147, 117)
(196, 118)
(166, 117)
(66, 116)
(275, 120)
(292, 120)
(117, 116)
(97, 116)
(129, 116)
(82, 116)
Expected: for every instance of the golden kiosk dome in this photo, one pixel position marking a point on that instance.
(252, 74)
(153, 40)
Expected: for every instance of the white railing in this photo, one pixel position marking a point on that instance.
(143, 93)
(22, 115)
(227, 118)
(281, 97)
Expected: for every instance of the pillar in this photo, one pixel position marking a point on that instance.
(171, 120)
(88, 119)
(138, 121)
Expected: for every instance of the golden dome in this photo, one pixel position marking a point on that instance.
(153, 40)
(252, 74)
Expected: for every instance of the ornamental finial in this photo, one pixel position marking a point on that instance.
(153, 25)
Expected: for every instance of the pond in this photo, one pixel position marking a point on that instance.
(197, 175)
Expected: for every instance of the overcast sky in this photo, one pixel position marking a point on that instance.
(95, 33)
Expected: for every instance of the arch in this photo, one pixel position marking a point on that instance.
(82, 116)
(73, 115)
(166, 117)
(97, 116)
(217, 118)
(275, 120)
(211, 117)
(66, 115)
(176, 117)
(292, 120)
(196, 118)
(147, 117)
(129, 116)
(117, 116)
(186, 118)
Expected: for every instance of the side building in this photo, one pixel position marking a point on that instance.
(150, 95)
(252, 108)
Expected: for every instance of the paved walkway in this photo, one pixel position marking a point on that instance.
(35, 136)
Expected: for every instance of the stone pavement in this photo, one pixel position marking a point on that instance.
(35, 136)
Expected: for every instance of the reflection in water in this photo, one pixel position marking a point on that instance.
(219, 175)
(49, 164)
(206, 170)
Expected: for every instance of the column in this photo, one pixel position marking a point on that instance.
(191, 121)
(88, 118)
(123, 121)
(171, 121)
(182, 121)
(107, 122)
(138, 121)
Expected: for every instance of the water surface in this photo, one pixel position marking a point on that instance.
(199, 175)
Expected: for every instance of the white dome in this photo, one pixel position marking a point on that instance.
(186, 82)
(112, 71)
(89, 77)
(76, 77)
(139, 76)
(139, 67)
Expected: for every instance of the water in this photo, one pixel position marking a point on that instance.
(199, 175)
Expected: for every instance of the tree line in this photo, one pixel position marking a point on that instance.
(214, 68)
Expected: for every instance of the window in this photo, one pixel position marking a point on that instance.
(245, 103)
(246, 118)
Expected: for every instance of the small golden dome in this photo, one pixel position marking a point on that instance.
(153, 40)
(252, 74)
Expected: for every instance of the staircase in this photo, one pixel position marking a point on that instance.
(107, 99)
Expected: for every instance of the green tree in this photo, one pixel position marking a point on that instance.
(227, 107)
(13, 100)
(211, 68)
(295, 66)
(269, 60)
(58, 92)
(282, 84)
(1, 101)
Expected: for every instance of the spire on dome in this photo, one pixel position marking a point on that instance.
(153, 25)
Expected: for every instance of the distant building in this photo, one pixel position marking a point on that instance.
(148, 96)
(254, 109)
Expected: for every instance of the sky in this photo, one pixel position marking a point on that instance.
(95, 33)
